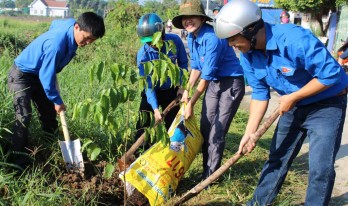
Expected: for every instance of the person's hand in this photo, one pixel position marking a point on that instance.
(185, 96)
(188, 111)
(246, 142)
(286, 103)
(158, 116)
(180, 92)
(59, 108)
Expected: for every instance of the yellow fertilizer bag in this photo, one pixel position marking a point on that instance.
(156, 174)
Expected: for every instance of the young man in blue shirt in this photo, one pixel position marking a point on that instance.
(156, 95)
(313, 89)
(221, 81)
(33, 76)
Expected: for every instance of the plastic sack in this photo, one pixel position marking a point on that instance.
(157, 173)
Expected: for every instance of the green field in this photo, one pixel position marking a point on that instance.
(106, 131)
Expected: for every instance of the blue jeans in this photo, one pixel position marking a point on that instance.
(322, 122)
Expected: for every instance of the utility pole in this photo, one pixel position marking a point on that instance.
(207, 9)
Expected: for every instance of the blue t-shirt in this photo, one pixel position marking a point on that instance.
(293, 57)
(212, 56)
(48, 54)
(147, 53)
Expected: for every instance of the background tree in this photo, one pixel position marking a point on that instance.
(79, 6)
(23, 3)
(7, 4)
(166, 10)
(124, 14)
(317, 8)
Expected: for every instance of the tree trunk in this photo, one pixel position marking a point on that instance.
(319, 17)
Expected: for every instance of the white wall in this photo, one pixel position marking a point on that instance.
(38, 9)
(58, 12)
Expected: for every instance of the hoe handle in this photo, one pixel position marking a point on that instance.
(124, 161)
(64, 126)
(255, 137)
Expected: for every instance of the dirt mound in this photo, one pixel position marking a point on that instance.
(91, 183)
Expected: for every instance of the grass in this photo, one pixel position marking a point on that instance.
(36, 186)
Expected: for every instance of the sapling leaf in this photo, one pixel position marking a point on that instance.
(86, 142)
(93, 151)
(108, 171)
(148, 67)
(133, 76)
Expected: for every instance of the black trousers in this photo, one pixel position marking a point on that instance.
(27, 88)
(164, 98)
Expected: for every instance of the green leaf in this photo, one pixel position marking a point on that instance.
(163, 72)
(86, 142)
(91, 73)
(98, 115)
(171, 74)
(108, 170)
(114, 72)
(113, 98)
(147, 134)
(157, 39)
(123, 70)
(177, 74)
(172, 46)
(148, 67)
(100, 71)
(93, 151)
(164, 57)
(84, 110)
(104, 102)
(124, 93)
(132, 94)
(142, 83)
(185, 78)
(133, 76)
(152, 136)
(76, 111)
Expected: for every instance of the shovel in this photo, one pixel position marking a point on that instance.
(71, 150)
(255, 137)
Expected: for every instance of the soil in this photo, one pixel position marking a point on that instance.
(91, 182)
(110, 191)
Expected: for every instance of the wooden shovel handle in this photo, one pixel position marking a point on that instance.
(124, 161)
(255, 137)
(64, 126)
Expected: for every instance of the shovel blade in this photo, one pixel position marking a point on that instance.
(72, 155)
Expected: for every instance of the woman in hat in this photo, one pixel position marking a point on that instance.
(221, 79)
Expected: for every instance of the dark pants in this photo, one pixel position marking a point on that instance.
(220, 104)
(26, 88)
(164, 98)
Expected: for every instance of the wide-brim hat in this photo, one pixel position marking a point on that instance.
(189, 8)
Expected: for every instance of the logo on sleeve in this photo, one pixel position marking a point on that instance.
(202, 58)
(286, 70)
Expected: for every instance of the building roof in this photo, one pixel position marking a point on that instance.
(55, 3)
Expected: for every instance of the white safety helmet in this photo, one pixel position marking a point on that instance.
(235, 17)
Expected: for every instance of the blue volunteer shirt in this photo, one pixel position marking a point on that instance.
(212, 56)
(147, 53)
(48, 54)
(293, 57)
